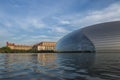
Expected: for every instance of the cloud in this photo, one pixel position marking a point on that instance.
(111, 13)
(61, 20)
(39, 36)
(26, 23)
(65, 22)
(59, 30)
(4, 33)
(31, 40)
(29, 23)
(78, 20)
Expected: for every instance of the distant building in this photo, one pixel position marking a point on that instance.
(18, 47)
(45, 46)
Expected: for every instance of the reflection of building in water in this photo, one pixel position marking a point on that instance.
(78, 61)
(49, 46)
(107, 64)
(46, 58)
(43, 58)
(13, 61)
(11, 58)
(18, 47)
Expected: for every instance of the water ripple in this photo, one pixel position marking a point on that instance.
(53, 66)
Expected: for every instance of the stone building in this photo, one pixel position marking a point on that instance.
(45, 46)
(14, 46)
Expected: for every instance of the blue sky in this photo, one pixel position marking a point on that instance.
(33, 21)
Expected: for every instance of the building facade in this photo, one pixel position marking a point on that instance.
(14, 46)
(45, 46)
(104, 37)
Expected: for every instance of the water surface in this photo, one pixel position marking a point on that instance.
(60, 66)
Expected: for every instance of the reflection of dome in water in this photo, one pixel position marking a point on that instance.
(100, 37)
(77, 61)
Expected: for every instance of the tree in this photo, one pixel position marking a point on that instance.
(5, 49)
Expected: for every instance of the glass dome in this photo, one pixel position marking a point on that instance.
(75, 41)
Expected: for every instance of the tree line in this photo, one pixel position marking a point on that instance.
(8, 50)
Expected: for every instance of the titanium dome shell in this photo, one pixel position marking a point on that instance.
(104, 37)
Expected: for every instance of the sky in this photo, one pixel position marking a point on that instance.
(32, 21)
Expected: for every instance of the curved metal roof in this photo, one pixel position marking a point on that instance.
(105, 36)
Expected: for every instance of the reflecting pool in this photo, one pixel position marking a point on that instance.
(60, 66)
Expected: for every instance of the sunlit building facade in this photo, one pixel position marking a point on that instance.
(104, 37)
(14, 46)
(45, 46)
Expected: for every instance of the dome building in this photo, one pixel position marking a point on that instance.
(104, 37)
